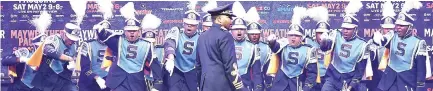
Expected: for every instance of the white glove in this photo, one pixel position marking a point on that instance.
(33, 67)
(69, 59)
(71, 65)
(272, 37)
(97, 27)
(101, 82)
(107, 69)
(169, 64)
(24, 59)
(325, 36)
(153, 89)
(378, 38)
(17, 54)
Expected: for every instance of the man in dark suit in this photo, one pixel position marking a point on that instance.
(216, 58)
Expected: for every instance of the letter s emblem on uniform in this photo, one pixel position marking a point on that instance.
(293, 58)
(132, 51)
(188, 47)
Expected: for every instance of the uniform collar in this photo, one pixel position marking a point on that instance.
(405, 37)
(240, 41)
(295, 47)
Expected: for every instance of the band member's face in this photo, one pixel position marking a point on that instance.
(386, 30)
(132, 35)
(225, 21)
(255, 38)
(348, 33)
(238, 34)
(190, 29)
(318, 34)
(294, 40)
(68, 42)
(402, 30)
(205, 28)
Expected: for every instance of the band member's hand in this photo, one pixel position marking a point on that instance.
(101, 82)
(169, 64)
(325, 36)
(378, 38)
(101, 25)
(153, 89)
(70, 59)
(307, 87)
(24, 59)
(353, 83)
(430, 78)
(21, 52)
(71, 65)
(272, 37)
(33, 67)
(66, 58)
(17, 53)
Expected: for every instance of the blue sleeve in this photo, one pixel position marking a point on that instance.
(311, 73)
(275, 46)
(228, 55)
(111, 41)
(86, 67)
(359, 72)
(157, 71)
(420, 70)
(51, 52)
(257, 75)
(169, 47)
(9, 60)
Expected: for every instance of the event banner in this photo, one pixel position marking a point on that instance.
(16, 31)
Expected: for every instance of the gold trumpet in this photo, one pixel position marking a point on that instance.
(273, 65)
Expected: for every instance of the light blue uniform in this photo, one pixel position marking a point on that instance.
(244, 54)
(320, 56)
(56, 64)
(347, 53)
(402, 53)
(264, 52)
(128, 58)
(98, 51)
(186, 53)
(294, 60)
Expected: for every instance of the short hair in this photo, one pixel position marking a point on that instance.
(214, 17)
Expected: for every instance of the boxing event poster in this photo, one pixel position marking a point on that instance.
(16, 31)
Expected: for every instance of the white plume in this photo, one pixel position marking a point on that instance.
(128, 11)
(192, 4)
(238, 9)
(353, 7)
(299, 13)
(411, 4)
(79, 7)
(388, 9)
(106, 7)
(319, 14)
(150, 21)
(43, 22)
(209, 6)
(252, 15)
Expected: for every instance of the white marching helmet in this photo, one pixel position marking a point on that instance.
(252, 17)
(299, 13)
(388, 15)
(320, 14)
